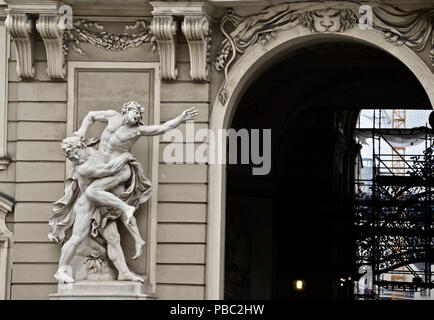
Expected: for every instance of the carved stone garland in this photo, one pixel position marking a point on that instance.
(20, 27)
(197, 32)
(52, 33)
(412, 29)
(164, 30)
(82, 32)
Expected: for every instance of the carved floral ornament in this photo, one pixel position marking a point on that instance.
(410, 28)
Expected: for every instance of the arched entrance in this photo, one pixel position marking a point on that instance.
(246, 71)
(295, 223)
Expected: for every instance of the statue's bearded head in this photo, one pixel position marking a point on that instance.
(74, 149)
(132, 112)
(329, 20)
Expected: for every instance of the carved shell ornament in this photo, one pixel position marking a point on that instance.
(84, 31)
(410, 28)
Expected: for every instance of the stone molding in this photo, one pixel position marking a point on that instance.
(52, 33)
(198, 34)
(6, 206)
(164, 29)
(4, 67)
(182, 8)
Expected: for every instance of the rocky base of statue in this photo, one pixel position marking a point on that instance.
(95, 278)
(103, 290)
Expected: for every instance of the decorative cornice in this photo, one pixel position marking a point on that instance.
(410, 28)
(198, 34)
(51, 32)
(182, 8)
(164, 29)
(20, 27)
(33, 6)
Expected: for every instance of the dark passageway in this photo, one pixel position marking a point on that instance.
(296, 222)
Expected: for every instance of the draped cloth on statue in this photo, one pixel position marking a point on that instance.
(63, 214)
(138, 190)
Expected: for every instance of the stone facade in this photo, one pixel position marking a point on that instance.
(169, 55)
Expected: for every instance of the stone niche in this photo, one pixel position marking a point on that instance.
(95, 86)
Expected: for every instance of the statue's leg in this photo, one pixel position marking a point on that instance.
(83, 210)
(115, 253)
(98, 191)
(131, 226)
(134, 231)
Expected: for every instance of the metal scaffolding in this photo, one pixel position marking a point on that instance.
(398, 168)
(394, 212)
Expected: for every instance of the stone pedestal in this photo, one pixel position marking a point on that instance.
(102, 290)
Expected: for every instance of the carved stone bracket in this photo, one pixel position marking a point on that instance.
(6, 206)
(197, 32)
(20, 27)
(52, 33)
(164, 29)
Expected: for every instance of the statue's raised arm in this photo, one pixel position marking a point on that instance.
(188, 114)
(92, 116)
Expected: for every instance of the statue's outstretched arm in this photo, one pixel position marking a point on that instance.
(93, 116)
(189, 114)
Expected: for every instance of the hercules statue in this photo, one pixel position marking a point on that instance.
(105, 184)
